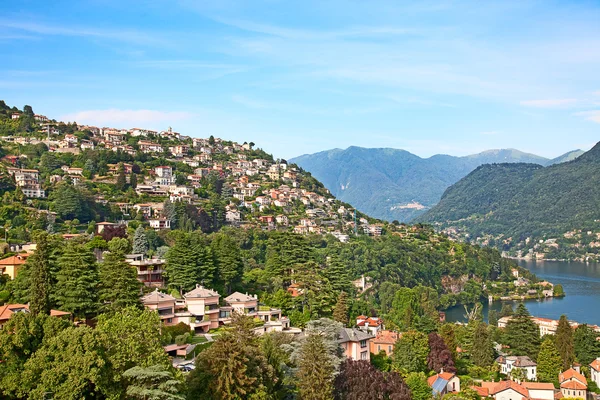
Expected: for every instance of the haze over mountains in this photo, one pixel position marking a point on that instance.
(395, 184)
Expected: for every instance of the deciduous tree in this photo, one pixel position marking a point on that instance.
(439, 356)
(359, 380)
(410, 353)
(549, 363)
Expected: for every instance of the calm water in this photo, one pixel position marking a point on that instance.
(581, 282)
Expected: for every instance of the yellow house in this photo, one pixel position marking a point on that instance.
(11, 265)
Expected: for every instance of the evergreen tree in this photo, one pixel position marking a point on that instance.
(133, 180)
(439, 356)
(493, 318)
(482, 352)
(507, 310)
(188, 264)
(549, 363)
(170, 212)
(337, 275)
(119, 286)
(140, 241)
(586, 347)
(39, 268)
(152, 383)
(234, 367)
(564, 342)
(315, 370)
(340, 312)
(121, 182)
(447, 334)
(77, 281)
(522, 334)
(228, 260)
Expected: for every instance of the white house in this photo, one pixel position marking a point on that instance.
(595, 371)
(524, 363)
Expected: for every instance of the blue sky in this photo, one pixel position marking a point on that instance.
(298, 77)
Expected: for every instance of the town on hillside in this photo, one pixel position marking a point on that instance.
(135, 261)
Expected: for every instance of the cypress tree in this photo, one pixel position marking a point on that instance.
(564, 342)
(77, 281)
(140, 241)
(482, 352)
(340, 312)
(119, 286)
(133, 180)
(493, 318)
(315, 370)
(549, 363)
(522, 334)
(39, 267)
(121, 182)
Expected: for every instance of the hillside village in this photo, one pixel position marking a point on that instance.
(199, 244)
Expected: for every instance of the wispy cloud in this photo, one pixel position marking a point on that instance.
(593, 115)
(126, 118)
(549, 103)
(115, 34)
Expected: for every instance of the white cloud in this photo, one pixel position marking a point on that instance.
(548, 103)
(593, 115)
(126, 118)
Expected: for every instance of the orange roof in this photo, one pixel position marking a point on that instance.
(444, 375)
(19, 259)
(505, 385)
(538, 385)
(387, 337)
(573, 385)
(370, 321)
(481, 391)
(8, 310)
(571, 374)
(596, 364)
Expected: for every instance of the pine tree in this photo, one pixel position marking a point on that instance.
(482, 352)
(439, 356)
(315, 370)
(170, 212)
(77, 281)
(188, 264)
(337, 275)
(522, 334)
(493, 318)
(228, 260)
(39, 268)
(587, 348)
(340, 312)
(119, 286)
(140, 241)
(152, 383)
(564, 342)
(549, 363)
(133, 180)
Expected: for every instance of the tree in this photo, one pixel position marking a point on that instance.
(234, 367)
(586, 347)
(482, 352)
(169, 212)
(77, 281)
(439, 356)
(337, 275)
(21, 336)
(315, 371)
(152, 383)
(447, 333)
(110, 232)
(410, 353)
(564, 342)
(39, 266)
(507, 310)
(121, 182)
(493, 318)
(558, 290)
(522, 334)
(417, 383)
(340, 312)
(549, 363)
(188, 264)
(119, 286)
(227, 259)
(68, 202)
(70, 365)
(133, 180)
(140, 241)
(359, 380)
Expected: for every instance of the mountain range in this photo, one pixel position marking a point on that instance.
(394, 184)
(527, 204)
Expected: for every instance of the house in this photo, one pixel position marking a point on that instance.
(595, 371)
(6, 311)
(179, 150)
(114, 169)
(527, 365)
(233, 216)
(369, 324)
(444, 383)
(243, 303)
(15, 115)
(163, 304)
(507, 390)
(10, 266)
(355, 343)
(164, 175)
(100, 226)
(149, 270)
(572, 384)
(203, 308)
(159, 223)
(149, 147)
(384, 341)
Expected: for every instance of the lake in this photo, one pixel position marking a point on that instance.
(581, 282)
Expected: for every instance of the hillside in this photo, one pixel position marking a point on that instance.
(394, 184)
(515, 206)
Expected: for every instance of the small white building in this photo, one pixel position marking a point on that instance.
(524, 363)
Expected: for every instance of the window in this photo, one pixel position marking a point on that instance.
(378, 348)
(363, 344)
(390, 349)
(363, 355)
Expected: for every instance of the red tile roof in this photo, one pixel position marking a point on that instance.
(481, 391)
(596, 364)
(19, 259)
(571, 374)
(573, 385)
